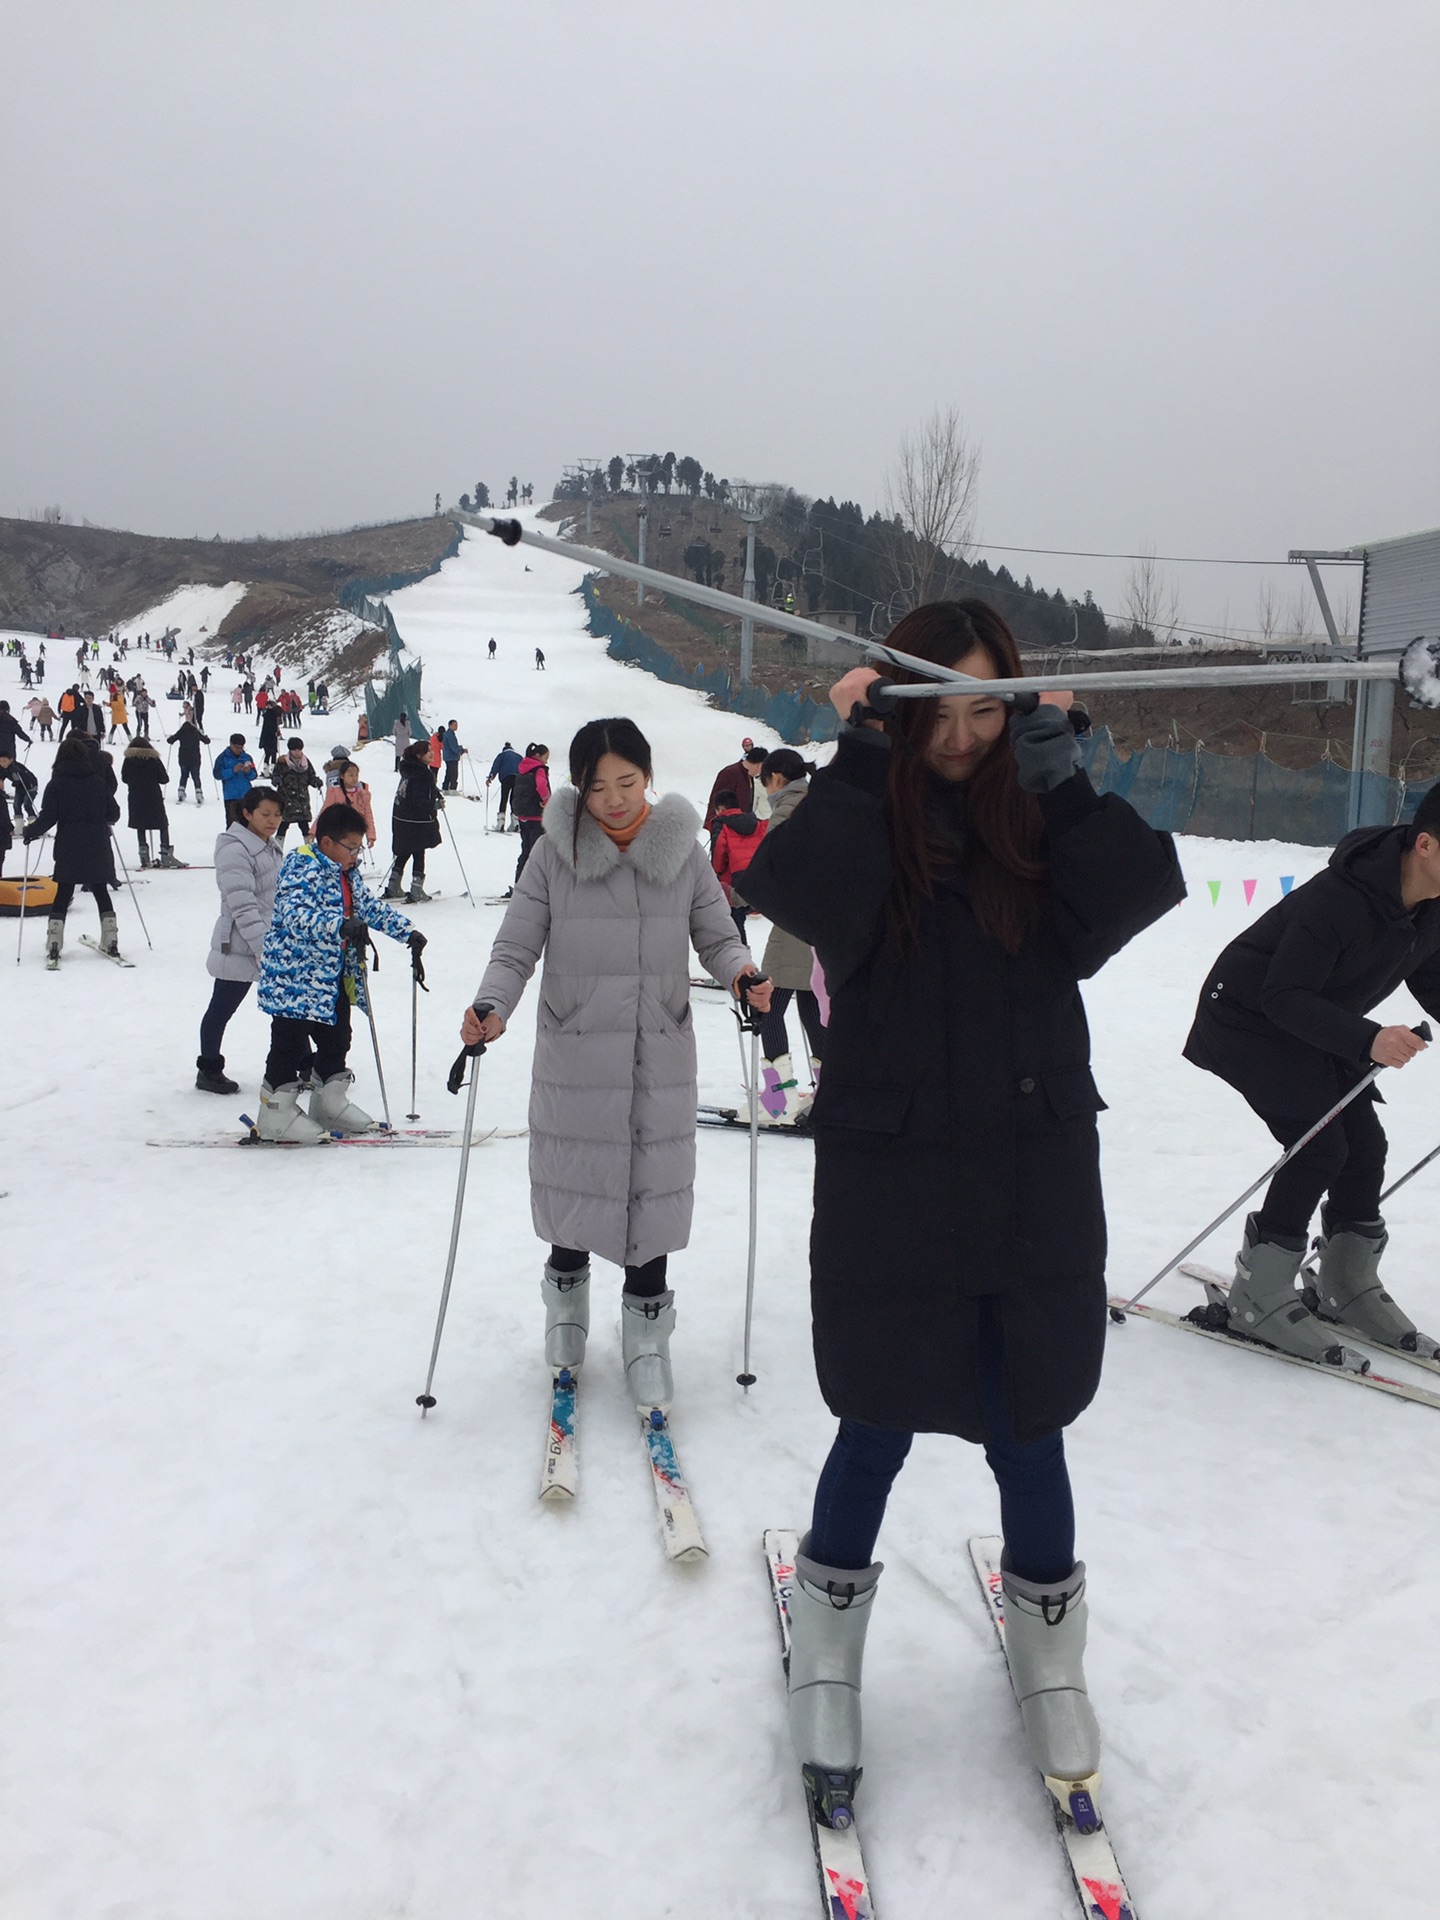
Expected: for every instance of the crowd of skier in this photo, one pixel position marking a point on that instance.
(935, 895)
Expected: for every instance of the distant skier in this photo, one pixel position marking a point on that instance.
(958, 875)
(402, 739)
(735, 835)
(453, 753)
(539, 660)
(504, 768)
(79, 803)
(1284, 1018)
(270, 733)
(491, 652)
(528, 802)
(294, 779)
(143, 773)
(414, 823)
(790, 964)
(190, 739)
(351, 791)
(739, 778)
(611, 898)
(311, 976)
(236, 772)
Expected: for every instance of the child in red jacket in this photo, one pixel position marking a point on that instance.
(735, 834)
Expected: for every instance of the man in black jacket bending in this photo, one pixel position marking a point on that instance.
(1283, 1018)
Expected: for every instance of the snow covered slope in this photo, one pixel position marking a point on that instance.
(275, 1646)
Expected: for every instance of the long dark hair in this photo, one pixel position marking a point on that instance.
(589, 747)
(787, 763)
(1004, 827)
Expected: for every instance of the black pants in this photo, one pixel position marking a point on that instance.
(417, 869)
(643, 1283)
(232, 811)
(530, 832)
(740, 915)
(452, 775)
(1345, 1162)
(1037, 1512)
(507, 788)
(774, 1036)
(225, 997)
(65, 893)
(290, 1056)
(188, 772)
(285, 826)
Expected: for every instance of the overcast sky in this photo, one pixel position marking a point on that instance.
(278, 267)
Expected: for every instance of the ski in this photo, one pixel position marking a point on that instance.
(1099, 1882)
(398, 1137)
(118, 959)
(839, 1861)
(1427, 1355)
(1382, 1383)
(679, 1527)
(560, 1476)
(732, 1118)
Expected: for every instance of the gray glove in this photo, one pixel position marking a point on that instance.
(1046, 750)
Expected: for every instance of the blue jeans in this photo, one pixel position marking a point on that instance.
(1037, 1512)
(225, 997)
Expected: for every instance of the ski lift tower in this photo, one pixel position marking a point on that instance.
(643, 470)
(752, 502)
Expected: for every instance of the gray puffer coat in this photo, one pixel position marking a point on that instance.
(612, 1104)
(788, 961)
(245, 871)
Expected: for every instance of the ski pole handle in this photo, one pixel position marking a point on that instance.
(749, 1016)
(456, 1078)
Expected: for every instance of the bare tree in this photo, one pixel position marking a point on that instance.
(1300, 627)
(932, 494)
(1152, 600)
(1267, 612)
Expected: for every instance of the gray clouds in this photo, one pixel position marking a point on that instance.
(275, 267)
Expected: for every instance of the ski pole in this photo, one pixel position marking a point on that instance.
(417, 981)
(25, 891)
(1419, 1167)
(458, 861)
(750, 1022)
(131, 884)
(1117, 1314)
(426, 1400)
(374, 1036)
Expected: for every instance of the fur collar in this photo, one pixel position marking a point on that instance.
(658, 852)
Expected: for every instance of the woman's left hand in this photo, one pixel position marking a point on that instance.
(759, 997)
(1062, 700)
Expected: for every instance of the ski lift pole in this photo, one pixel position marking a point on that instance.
(426, 1400)
(1118, 1313)
(1417, 669)
(750, 1020)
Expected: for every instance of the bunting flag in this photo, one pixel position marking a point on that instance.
(1214, 886)
(1249, 886)
(1287, 880)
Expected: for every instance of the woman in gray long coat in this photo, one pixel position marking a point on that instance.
(613, 897)
(247, 861)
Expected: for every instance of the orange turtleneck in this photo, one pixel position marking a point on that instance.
(622, 836)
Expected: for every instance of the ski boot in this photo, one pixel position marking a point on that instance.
(782, 1104)
(109, 935)
(1263, 1304)
(168, 859)
(332, 1108)
(646, 1324)
(54, 941)
(281, 1118)
(829, 1612)
(144, 855)
(394, 887)
(417, 894)
(567, 1316)
(1348, 1287)
(210, 1075)
(1045, 1645)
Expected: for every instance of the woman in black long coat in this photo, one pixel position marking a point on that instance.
(958, 876)
(143, 772)
(414, 822)
(79, 803)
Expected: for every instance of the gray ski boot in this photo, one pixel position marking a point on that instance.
(646, 1324)
(109, 935)
(332, 1109)
(567, 1316)
(417, 893)
(394, 887)
(1045, 1645)
(54, 941)
(1349, 1288)
(280, 1117)
(829, 1612)
(1263, 1303)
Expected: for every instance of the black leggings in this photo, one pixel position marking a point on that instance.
(225, 997)
(1037, 1512)
(1346, 1161)
(774, 1036)
(290, 1042)
(642, 1283)
(65, 893)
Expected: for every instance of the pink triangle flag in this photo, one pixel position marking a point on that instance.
(1249, 886)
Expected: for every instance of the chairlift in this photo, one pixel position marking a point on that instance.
(812, 560)
(664, 529)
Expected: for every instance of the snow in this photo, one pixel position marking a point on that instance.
(193, 612)
(276, 1646)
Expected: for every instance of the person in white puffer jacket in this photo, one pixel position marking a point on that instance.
(247, 862)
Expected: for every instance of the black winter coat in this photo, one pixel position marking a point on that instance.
(10, 731)
(190, 738)
(144, 775)
(414, 818)
(1282, 1013)
(956, 1151)
(80, 805)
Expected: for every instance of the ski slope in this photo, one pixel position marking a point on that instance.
(275, 1646)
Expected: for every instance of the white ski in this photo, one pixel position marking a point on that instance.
(560, 1476)
(118, 959)
(1098, 1880)
(839, 1861)
(1379, 1381)
(1427, 1356)
(679, 1527)
(410, 1137)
